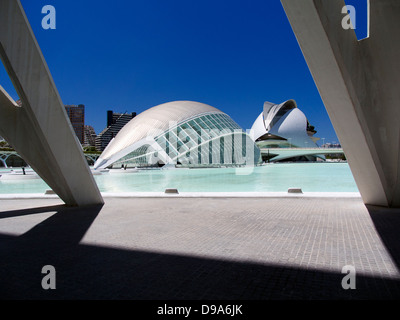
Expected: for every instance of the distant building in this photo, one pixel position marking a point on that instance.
(115, 122)
(331, 145)
(90, 137)
(76, 115)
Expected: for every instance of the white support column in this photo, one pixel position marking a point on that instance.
(359, 84)
(3, 159)
(40, 130)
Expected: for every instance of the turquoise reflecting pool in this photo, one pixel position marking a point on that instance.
(311, 177)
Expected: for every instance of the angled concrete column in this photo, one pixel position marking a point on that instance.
(359, 84)
(39, 130)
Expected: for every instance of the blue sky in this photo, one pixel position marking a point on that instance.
(132, 55)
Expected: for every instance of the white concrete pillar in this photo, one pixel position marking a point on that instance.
(359, 84)
(40, 130)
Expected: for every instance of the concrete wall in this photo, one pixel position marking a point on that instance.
(359, 84)
(39, 130)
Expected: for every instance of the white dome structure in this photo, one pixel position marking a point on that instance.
(180, 132)
(283, 126)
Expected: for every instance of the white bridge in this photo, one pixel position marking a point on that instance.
(276, 154)
(4, 155)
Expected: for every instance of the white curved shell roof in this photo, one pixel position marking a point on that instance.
(264, 122)
(153, 122)
(293, 126)
(290, 125)
(271, 110)
(258, 127)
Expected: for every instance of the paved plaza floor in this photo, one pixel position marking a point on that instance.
(199, 248)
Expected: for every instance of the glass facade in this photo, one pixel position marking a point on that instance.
(208, 139)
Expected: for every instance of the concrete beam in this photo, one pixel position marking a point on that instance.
(358, 83)
(40, 130)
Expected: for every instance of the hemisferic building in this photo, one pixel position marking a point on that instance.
(180, 133)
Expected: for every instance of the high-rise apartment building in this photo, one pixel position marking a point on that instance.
(90, 136)
(76, 115)
(115, 122)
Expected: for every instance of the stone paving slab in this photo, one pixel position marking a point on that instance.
(199, 248)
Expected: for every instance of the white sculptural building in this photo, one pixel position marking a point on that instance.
(284, 126)
(182, 133)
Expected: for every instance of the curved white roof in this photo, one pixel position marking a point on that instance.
(258, 127)
(155, 121)
(284, 120)
(293, 126)
(271, 110)
(267, 119)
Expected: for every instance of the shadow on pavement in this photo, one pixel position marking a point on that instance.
(94, 272)
(387, 224)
